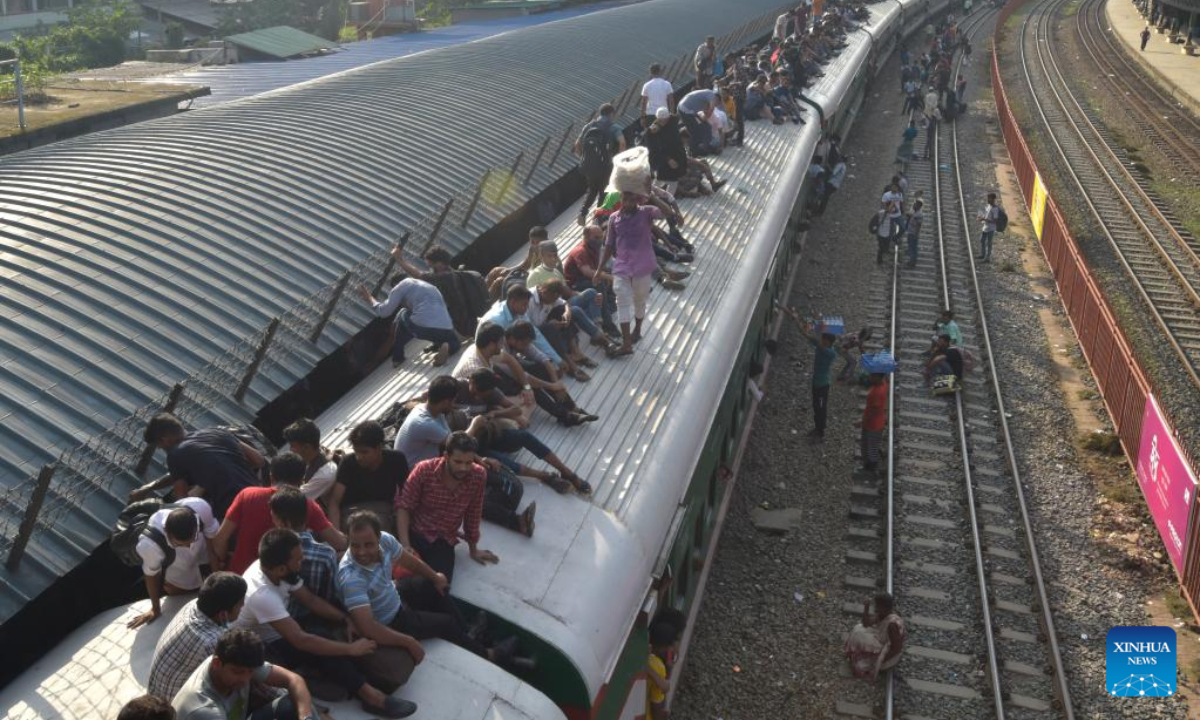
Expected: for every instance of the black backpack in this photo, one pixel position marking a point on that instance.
(595, 154)
(873, 225)
(132, 524)
(1001, 219)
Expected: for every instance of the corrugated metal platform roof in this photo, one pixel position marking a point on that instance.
(282, 41)
(135, 258)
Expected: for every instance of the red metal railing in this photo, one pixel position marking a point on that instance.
(1120, 378)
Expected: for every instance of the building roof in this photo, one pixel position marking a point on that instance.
(136, 258)
(282, 42)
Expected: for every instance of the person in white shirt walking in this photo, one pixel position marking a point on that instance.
(987, 217)
(657, 93)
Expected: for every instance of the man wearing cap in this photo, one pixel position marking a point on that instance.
(668, 157)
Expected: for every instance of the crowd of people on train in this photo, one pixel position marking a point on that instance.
(319, 574)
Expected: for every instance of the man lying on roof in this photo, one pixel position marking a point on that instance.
(211, 463)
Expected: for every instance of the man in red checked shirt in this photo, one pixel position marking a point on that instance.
(874, 420)
(441, 495)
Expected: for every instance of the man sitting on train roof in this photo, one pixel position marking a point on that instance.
(579, 268)
(423, 315)
(396, 623)
(587, 301)
(304, 438)
(560, 323)
(318, 569)
(249, 517)
(500, 278)
(212, 463)
(514, 307)
(147, 707)
(517, 379)
(369, 477)
(272, 582)
(192, 635)
(176, 542)
(220, 688)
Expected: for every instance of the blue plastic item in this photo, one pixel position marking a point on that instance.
(880, 362)
(833, 324)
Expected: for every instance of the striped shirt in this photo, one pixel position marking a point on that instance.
(361, 585)
(437, 511)
(189, 640)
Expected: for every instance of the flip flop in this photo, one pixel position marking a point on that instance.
(617, 352)
(558, 484)
(527, 516)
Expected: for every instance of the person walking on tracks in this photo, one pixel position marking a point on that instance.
(595, 146)
(988, 217)
(873, 422)
(822, 374)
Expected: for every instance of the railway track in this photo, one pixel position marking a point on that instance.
(1162, 262)
(1161, 120)
(958, 548)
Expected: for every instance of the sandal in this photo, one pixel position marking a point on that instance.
(587, 362)
(558, 484)
(618, 351)
(527, 519)
(581, 375)
(581, 485)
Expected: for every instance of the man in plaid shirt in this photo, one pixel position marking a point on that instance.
(440, 496)
(192, 635)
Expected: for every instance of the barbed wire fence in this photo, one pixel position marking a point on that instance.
(43, 500)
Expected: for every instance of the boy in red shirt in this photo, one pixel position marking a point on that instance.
(874, 420)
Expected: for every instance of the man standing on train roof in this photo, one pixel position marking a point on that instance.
(212, 463)
(176, 542)
(822, 374)
(594, 147)
(658, 92)
(192, 635)
(705, 58)
(423, 314)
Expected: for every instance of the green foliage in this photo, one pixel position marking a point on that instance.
(94, 36)
(348, 34)
(320, 17)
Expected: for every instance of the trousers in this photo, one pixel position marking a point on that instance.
(631, 293)
(406, 330)
(820, 403)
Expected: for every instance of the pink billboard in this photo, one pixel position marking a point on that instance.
(1167, 482)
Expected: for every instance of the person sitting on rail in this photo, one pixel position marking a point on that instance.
(220, 688)
(579, 270)
(668, 155)
(147, 707)
(192, 635)
(368, 477)
(249, 517)
(185, 531)
(490, 351)
(304, 438)
(877, 640)
(500, 278)
(947, 359)
(691, 183)
(442, 499)
(423, 314)
(515, 307)
(399, 622)
(560, 322)
(782, 94)
(273, 581)
(587, 301)
(498, 441)
(425, 428)
(945, 325)
(211, 462)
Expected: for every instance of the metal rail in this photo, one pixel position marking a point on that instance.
(1160, 280)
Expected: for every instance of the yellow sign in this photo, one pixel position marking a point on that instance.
(1037, 207)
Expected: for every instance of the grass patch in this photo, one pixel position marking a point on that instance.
(1179, 608)
(1123, 492)
(1087, 395)
(1071, 10)
(1185, 199)
(1191, 670)
(1105, 443)
(1008, 266)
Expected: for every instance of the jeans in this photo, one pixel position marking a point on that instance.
(439, 621)
(406, 330)
(913, 248)
(545, 399)
(340, 670)
(281, 709)
(437, 554)
(700, 138)
(511, 440)
(885, 245)
(820, 400)
(985, 244)
(584, 311)
(596, 183)
(609, 306)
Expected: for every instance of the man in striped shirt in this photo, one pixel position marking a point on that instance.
(192, 636)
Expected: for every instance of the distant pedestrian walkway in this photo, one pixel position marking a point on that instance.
(1178, 71)
(233, 82)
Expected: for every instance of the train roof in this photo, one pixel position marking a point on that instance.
(136, 258)
(103, 665)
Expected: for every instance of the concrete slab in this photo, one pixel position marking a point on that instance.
(1173, 68)
(777, 521)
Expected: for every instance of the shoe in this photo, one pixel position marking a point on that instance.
(672, 284)
(478, 627)
(557, 484)
(600, 341)
(581, 220)
(527, 519)
(393, 707)
(587, 362)
(678, 274)
(718, 184)
(684, 258)
(443, 354)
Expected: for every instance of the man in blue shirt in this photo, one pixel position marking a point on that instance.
(822, 375)
(516, 307)
(423, 314)
(694, 110)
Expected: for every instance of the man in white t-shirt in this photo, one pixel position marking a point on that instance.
(656, 93)
(183, 531)
(271, 582)
(304, 438)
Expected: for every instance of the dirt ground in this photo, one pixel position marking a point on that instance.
(65, 101)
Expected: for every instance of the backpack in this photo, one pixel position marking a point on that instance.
(132, 524)
(596, 156)
(1001, 219)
